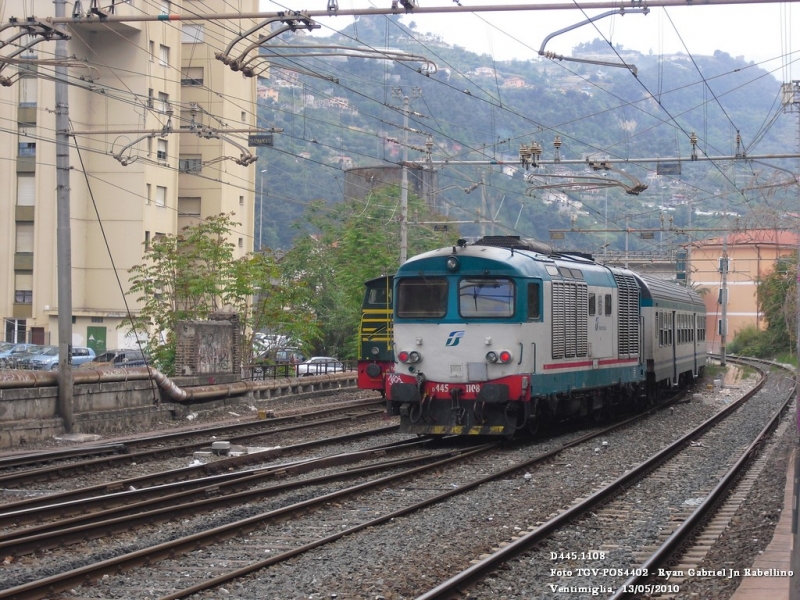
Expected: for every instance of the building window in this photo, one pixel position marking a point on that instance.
(27, 148)
(193, 34)
(165, 7)
(150, 98)
(190, 163)
(147, 240)
(24, 238)
(23, 288)
(23, 296)
(27, 91)
(151, 50)
(161, 154)
(149, 191)
(163, 55)
(163, 102)
(161, 195)
(192, 76)
(244, 117)
(97, 319)
(241, 242)
(26, 190)
(241, 200)
(15, 330)
(189, 207)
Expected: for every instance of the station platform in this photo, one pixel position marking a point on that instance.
(781, 552)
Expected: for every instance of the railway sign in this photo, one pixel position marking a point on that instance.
(260, 139)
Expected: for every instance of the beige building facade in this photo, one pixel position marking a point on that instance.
(159, 139)
(752, 255)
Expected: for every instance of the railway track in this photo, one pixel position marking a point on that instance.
(55, 466)
(299, 519)
(618, 541)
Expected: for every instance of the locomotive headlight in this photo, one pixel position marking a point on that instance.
(451, 263)
(403, 357)
(491, 357)
(374, 350)
(505, 357)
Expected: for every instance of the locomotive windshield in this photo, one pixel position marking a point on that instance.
(422, 298)
(486, 297)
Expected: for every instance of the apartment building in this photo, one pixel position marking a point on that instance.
(159, 128)
(752, 255)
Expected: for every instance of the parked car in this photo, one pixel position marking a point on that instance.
(48, 359)
(8, 358)
(117, 358)
(319, 365)
(21, 359)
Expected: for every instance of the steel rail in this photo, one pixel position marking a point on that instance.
(141, 557)
(61, 470)
(183, 476)
(409, 509)
(32, 458)
(189, 503)
(473, 573)
(694, 521)
(46, 587)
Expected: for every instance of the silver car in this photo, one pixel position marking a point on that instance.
(319, 365)
(48, 360)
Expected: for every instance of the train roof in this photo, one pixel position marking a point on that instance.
(668, 294)
(510, 256)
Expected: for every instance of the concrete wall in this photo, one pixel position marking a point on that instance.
(210, 347)
(28, 414)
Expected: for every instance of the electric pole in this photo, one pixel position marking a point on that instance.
(63, 231)
(416, 93)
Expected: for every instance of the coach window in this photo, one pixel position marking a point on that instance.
(485, 297)
(422, 298)
(592, 305)
(608, 304)
(534, 306)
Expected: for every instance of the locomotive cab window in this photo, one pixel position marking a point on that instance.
(534, 304)
(422, 298)
(486, 297)
(379, 297)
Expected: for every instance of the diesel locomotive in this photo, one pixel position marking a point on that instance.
(505, 335)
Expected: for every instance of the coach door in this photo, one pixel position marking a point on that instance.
(673, 338)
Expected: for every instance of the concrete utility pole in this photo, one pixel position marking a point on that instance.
(63, 232)
(416, 93)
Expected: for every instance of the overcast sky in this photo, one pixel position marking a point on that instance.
(758, 32)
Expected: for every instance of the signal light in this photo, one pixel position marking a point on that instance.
(502, 357)
(409, 357)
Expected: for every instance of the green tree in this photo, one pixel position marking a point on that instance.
(350, 243)
(193, 274)
(777, 299)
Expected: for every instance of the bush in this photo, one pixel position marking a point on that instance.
(752, 342)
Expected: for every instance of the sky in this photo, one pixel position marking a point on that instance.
(759, 33)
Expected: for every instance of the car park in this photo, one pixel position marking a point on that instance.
(320, 365)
